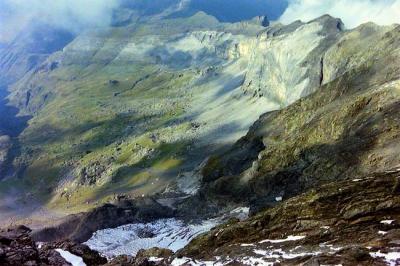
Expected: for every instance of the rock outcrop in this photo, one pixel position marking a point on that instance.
(17, 248)
(80, 227)
(343, 222)
(348, 128)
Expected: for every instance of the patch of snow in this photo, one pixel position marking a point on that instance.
(71, 258)
(164, 233)
(387, 221)
(357, 180)
(256, 261)
(260, 252)
(192, 262)
(299, 255)
(289, 238)
(280, 254)
(242, 213)
(278, 198)
(382, 232)
(155, 259)
(247, 245)
(325, 227)
(391, 258)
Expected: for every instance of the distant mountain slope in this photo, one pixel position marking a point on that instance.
(29, 49)
(132, 109)
(234, 11)
(223, 10)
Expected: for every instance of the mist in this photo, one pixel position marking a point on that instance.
(75, 15)
(353, 13)
(72, 15)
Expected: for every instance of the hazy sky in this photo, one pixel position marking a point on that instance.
(352, 12)
(77, 14)
(69, 14)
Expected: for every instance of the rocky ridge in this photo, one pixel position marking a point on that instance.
(347, 127)
(319, 165)
(202, 77)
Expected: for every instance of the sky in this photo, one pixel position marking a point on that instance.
(352, 12)
(68, 14)
(75, 15)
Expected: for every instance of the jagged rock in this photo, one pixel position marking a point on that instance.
(89, 256)
(154, 252)
(113, 82)
(17, 248)
(80, 227)
(319, 216)
(343, 130)
(159, 256)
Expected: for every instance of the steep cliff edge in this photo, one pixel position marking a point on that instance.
(349, 127)
(352, 222)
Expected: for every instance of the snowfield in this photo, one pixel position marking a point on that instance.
(165, 233)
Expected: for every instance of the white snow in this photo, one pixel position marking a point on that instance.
(71, 258)
(256, 261)
(155, 259)
(391, 257)
(279, 253)
(289, 238)
(165, 233)
(387, 221)
(247, 245)
(242, 213)
(382, 232)
(278, 198)
(191, 262)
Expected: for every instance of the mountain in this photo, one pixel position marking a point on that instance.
(30, 48)
(348, 127)
(179, 111)
(233, 11)
(224, 11)
(128, 109)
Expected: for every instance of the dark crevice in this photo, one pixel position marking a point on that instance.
(321, 75)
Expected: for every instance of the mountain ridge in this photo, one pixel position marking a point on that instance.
(193, 118)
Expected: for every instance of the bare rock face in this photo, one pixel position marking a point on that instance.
(90, 257)
(350, 222)
(18, 248)
(80, 227)
(347, 128)
(285, 62)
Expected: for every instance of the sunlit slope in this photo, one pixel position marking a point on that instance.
(133, 109)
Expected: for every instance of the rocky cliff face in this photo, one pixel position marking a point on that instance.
(352, 222)
(348, 127)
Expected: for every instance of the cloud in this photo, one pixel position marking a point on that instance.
(72, 15)
(352, 12)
